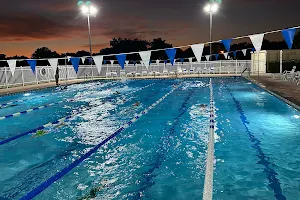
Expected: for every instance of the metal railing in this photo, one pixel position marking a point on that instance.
(24, 75)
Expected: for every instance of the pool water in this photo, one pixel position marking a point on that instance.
(162, 154)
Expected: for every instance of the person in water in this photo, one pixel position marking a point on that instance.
(116, 93)
(203, 107)
(39, 133)
(136, 104)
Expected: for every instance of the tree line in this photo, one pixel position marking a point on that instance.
(124, 45)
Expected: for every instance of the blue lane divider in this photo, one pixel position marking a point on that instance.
(263, 159)
(37, 108)
(4, 105)
(33, 109)
(67, 169)
(64, 119)
(42, 127)
(162, 149)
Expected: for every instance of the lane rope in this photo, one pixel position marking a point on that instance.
(4, 105)
(67, 169)
(53, 104)
(209, 171)
(64, 119)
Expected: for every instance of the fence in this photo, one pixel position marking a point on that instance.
(24, 75)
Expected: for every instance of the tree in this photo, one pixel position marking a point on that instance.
(2, 56)
(297, 41)
(82, 53)
(44, 52)
(159, 43)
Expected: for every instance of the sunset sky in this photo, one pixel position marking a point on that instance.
(58, 24)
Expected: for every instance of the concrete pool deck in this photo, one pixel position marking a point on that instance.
(284, 90)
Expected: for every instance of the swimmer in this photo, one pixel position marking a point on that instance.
(203, 107)
(39, 133)
(136, 104)
(116, 93)
(93, 192)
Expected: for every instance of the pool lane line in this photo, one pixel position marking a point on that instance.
(44, 126)
(159, 158)
(67, 169)
(4, 105)
(209, 171)
(37, 108)
(64, 119)
(263, 159)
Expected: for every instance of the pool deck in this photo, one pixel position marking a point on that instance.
(12, 90)
(285, 90)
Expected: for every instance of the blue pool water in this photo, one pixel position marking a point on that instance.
(161, 155)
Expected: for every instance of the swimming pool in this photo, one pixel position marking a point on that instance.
(159, 143)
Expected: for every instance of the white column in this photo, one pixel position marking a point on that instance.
(281, 52)
(48, 74)
(22, 75)
(6, 82)
(36, 78)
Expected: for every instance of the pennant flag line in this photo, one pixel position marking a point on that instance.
(121, 59)
(82, 60)
(104, 62)
(112, 61)
(12, 66)
(190, 60)
(234, 54)
(225, 55)
(32, 64)
(145, 56)
(227, 44)
(98, 62)
(75, 63)
(244, 52)
(181, 60)
(289, 35)
(171, 54)
(207, 57)
(198, 51)
(127, 62)
(157, 62)
(53, 63)
(217, 56)
(257, 41)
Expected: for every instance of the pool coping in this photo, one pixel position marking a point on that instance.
(263, 87)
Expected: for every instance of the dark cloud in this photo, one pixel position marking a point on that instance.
(177, 21)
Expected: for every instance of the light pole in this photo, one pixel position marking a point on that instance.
(211, 8)
(89, 10)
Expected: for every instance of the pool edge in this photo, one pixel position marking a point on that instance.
(260, 85)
